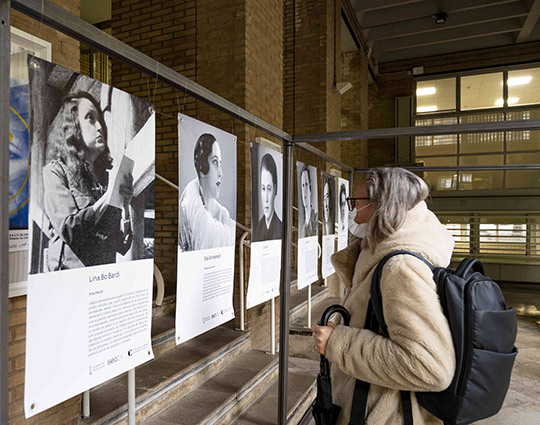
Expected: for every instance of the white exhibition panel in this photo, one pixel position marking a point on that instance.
(264, 272)
(84, 327)
(328, 248)
(307, 261)
(89, 304)
(267, 227)
(205, 291)
(207, 227)
(343, 216)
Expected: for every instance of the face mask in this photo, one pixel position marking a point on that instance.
(358, 230)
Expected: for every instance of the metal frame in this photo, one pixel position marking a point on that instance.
(59, 19)
(5, 37)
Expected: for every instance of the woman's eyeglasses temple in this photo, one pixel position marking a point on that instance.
(351, 202)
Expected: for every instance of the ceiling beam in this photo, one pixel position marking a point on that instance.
(457, 19)
(421, 10)
(530, 22)
(367, 5)
(450, 35)
(466, 45)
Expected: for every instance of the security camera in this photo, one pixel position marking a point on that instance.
(343, 88)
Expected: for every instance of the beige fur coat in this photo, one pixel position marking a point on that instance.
(419, 355)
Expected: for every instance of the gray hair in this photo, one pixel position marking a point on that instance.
(392, 192)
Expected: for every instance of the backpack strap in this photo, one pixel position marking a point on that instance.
(376, 296)
(374, 321)
(469, 264)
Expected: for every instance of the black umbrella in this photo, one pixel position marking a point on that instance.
(324, 410)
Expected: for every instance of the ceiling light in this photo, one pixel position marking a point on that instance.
(511, 101)
(519, 81)
(426, 108)
(424, 91)
(440, 18)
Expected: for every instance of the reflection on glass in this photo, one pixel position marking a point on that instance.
(436, 145)
(524, 85)
(481, 142)
(481, 91)
(527, 140)
(436, 95)
(440, 180)
(481, 180)
(523, 179)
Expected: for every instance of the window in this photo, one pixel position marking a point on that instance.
(482, 91)
(524, 87)
(436, 95)
(492, 234)
(472, 98)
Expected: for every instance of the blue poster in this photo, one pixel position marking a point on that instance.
(19, 168)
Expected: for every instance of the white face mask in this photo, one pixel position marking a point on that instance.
(358, 230)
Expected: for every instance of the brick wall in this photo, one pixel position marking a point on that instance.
(165, 31)
(395, 80)
(65, 52)
(354, 106)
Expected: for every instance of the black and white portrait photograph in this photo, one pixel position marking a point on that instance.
(343, 230)
(92, 168)
(307, 200)
(207, 182)
(266, 193)
(328, 184)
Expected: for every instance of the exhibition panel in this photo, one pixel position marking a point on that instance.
(91, 253)
(206, 227)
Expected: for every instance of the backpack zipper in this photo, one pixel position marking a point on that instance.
(465, 367)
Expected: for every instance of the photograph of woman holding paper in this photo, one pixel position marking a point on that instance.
(84, 229)
(92, 155)
(308, 221)
(204, 222)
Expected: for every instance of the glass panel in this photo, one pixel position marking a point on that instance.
(436, 95)
(535, 238)
(482, 142)
(482, 91)
(436, 145)
(481, 180)
(440, 180)
(503, 238)
(525, 179)
(524, 87)
(523, 140)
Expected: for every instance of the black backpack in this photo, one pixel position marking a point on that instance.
(484, 332)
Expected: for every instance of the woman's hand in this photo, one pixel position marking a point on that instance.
(321, 334)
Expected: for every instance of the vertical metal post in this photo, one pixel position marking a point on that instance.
(4, 205)
(273, 326)
(131, 396)
(309, 306)
(86, 404)
(351, 182)
(286, 246)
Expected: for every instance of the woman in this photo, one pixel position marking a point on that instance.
(328, 216)
(204, 222)
(419, 354)
(309, 226)
(83, 229)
